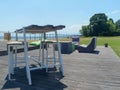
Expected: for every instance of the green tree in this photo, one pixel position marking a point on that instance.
(99, 24)
(117, 23)
(84, 31)
(111, 27)
(96, 18)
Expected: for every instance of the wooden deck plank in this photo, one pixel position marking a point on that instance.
(83, 71)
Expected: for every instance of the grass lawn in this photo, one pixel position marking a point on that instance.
(114, 42)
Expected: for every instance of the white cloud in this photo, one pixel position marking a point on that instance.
(73, 29)
(113, 12)
(74, 26)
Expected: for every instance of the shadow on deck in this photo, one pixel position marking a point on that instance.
(41, 80)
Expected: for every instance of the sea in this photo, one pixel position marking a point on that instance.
(37, 36)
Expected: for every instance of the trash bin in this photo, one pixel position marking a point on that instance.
(76, 40)
(66, 47)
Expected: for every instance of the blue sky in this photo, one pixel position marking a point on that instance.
(73, 14)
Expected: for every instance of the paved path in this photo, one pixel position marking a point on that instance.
(83, 71)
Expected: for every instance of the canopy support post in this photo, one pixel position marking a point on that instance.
(59, 53)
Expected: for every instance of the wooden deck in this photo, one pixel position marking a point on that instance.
(83, 71)
(3, 48)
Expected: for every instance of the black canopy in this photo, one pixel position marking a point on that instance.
(40, 29)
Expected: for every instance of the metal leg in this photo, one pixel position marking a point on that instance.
(15, 56)
(59, 54)
(28, 74)
(12, 62)
(54, 54)
(43, 54)
(9, 64)
(46, 57)
(39, 53)
(26, 59)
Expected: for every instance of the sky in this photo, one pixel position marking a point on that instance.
(15, 14)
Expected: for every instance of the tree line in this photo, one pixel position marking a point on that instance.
(100, 25)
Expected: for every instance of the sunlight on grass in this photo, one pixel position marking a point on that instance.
(114, 42)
